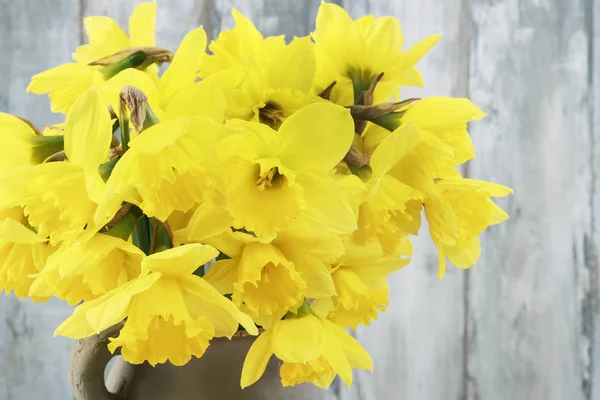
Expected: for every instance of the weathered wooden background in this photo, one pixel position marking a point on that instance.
(524, 323)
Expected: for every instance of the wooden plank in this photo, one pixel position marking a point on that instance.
(530, 325)
(417, 345)
(593, 311)
(34, 36)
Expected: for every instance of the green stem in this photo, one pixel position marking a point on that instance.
(132, 61)
(361, 81)
(200, 271)
(124, 126)
(301, 312)
(115, 126)
(126, 225)
(150, 119)
(141, 234)
(45, 146)
(391, 121)
(364, 172)
(162, 239)
(106, 169)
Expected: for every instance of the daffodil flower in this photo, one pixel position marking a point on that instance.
(23, 253)
(264, 79)
(171, 313)
(277, 177)
(312, 350)
(57, 196)
(168, 168)
(458, 212)
(271, 279)
(86, 270)
(361, 288)
(353, 53)
(65, 83)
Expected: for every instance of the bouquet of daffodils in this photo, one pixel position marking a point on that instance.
(257, 187)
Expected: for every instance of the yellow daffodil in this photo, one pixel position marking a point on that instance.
(57, 196)
(352, 53)
(360, 284)
(171, 313)
(457, 213)
(22, 254)
(271, 279)
(264, 79)
(84, 271)
(66, 82)
(277, 177)
(312, 350)
(166, 169)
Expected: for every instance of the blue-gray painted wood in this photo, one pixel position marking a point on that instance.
(35, 35)
(532, 298)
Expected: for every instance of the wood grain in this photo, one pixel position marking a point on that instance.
(34, 36)
(531, 293)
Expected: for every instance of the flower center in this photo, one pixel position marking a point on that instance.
(272, 115)
(271, 178)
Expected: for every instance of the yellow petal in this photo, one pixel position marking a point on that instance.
(442, 220)
(450, 113)
(337, 359)
(64, 83)
(220, 310)
(257, 359)
(327, 206)
(338, 36)
(222, 274)
(112, 307)
(357, 356)
(498, 214)
(231, 243)
(441, 263)
(233, 47)
(12, 231)
(208, 221)
(394, 148)
(94, 316)
(317, 137)
(88, 132)
(142, 25)
(202, 98)
(253, 141)
(294, 66)
(463, 257)
(299, 340)
(106, 37)
(491, 188)
(415, 53)
(180, 261)
(183, 70)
